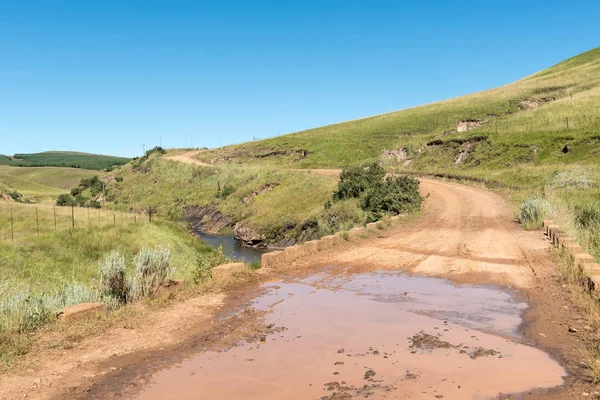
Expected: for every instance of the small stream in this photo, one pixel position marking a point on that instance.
(232, 248)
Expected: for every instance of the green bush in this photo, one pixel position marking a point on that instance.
(205, 264)
(151, 268)
(533, 212)
(113, 279)
(65, 200)
(356, 180)
(340, 216)
(393, 196)
(587, 216)
(225, 192)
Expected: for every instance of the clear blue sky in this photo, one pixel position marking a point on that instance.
(108, 76)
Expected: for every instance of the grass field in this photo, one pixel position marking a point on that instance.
(32, 219)
(45, 262)
(64, 159)
(41, 183)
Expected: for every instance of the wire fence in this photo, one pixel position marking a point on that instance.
(22, 220)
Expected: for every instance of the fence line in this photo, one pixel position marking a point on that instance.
(19, 220)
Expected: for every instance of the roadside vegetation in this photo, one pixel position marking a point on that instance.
(64, 159)
(113, 264)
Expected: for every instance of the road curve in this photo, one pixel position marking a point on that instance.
(465, 233)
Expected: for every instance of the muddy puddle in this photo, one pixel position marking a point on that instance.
(379, 335)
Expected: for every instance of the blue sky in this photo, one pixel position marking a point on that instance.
(108, 76)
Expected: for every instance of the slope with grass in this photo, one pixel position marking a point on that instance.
(64, 159)
(521, 123)
(536, 137)
(41, 183)
(258, 203)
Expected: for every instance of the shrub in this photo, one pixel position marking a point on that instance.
(113, 281)
(205, 264)
(356, 180)
(340, 216)
(587, 216)
(151, 268)
(393, 196)
(533, 211)
(94, 184)
(225, 192)
(65, 200)
(254, 266)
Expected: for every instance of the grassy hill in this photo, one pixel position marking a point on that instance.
(515, 120)
(64, 159)
(41, 183)
(536, 137)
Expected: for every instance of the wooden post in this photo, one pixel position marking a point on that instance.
(149, 214)
(114, 218)
(54, 219)
(12, 229)
(73, 216)
(37, 221)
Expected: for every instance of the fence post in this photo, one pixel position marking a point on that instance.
(37, 221)
(149, 214)
(114, 218)
(73, 216)
(54, 219)
(12, 230)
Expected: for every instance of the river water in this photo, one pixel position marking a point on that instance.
(232, 248)
(384, 335)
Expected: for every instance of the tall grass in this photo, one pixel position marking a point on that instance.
(23, 310)
(533, 212)
(113, 276)
(152, 266)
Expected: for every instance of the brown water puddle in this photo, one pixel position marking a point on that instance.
(381, 335)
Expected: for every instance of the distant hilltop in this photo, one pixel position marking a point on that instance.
(64, 159)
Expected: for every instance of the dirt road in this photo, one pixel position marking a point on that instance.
(465, 234)
(189, 157)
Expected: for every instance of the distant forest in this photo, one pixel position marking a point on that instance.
(64, 159)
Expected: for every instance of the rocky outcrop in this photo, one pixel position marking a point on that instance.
(467, 124)
(6, 197)
(206, 219)
(248, 236)
(532, 104)
(267, 187)
(399, 154)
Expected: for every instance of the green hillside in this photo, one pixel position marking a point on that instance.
(523, 123)
(41, 183)
(537, 137)
(64, 159)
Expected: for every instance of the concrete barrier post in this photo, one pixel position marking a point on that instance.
(271, 259)
(83, 311)
(223, 273)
